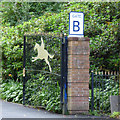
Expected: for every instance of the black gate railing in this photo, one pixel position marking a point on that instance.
(64, 71)
(46, 72)
(103, 85)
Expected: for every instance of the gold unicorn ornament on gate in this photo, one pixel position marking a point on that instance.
(42, 53)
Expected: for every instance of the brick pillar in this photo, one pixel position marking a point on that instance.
(78, 75)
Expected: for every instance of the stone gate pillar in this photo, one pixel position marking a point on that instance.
(78, 75)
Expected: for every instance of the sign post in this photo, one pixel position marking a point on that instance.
(76, 24)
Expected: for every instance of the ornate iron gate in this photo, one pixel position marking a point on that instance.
(45, 68)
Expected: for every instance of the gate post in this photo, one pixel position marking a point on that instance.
(78, 75)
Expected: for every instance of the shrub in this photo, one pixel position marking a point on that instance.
(103, 88)
(100, 26)
(11, 91)
(18, 12)
(43, 92)
(115, 115)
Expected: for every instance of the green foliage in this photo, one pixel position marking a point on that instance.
(12, 53)
(101, 26)
(47, 92)
(103, 36)
(102, 91)
(17, 12)
(115, 115)
(14, 12)
(11, 91)
(95, 113)
(39, 92)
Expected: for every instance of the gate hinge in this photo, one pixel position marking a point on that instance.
(23, 72)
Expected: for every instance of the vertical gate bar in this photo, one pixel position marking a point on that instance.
(99, 89)
(63, 110)
(92, 92)
(119, 70)
(66, 40)
(105, 91)
(62, 72)
(65, 73)
(96, 78)
(102, 90)
(112, 74)
(109, 92)
(117, 76)
(24, 62)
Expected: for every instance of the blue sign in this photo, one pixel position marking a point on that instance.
(76, 24)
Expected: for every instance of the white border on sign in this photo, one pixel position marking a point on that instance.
(76, 35)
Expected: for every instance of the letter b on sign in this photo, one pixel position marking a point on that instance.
(76, 27)
(76, 24)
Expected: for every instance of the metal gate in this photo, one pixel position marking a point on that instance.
(45, 69)
(103, 85)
